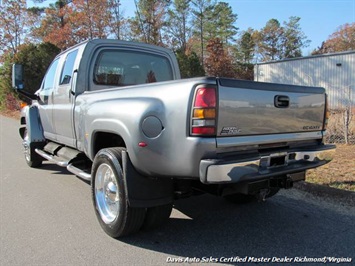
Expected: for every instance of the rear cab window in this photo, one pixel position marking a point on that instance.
(124, 68)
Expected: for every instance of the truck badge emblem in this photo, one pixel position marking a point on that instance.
(230, 131)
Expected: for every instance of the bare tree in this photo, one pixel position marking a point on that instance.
(347, 113)
(13, 25)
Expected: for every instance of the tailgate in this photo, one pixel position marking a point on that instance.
(256, 108)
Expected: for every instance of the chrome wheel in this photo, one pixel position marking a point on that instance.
(32, 159)
(109, 193)
(27, 150)
(106, 193)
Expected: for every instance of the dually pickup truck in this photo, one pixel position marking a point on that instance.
(118, 115)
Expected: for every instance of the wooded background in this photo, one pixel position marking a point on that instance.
(202, 33)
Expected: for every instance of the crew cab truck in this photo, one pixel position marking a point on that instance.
(117, 114)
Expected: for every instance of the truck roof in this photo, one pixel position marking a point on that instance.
(115, 42)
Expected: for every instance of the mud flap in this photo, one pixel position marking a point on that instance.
(33, 125)
(145, 192)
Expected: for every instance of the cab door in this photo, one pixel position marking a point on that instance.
(45, 100)
(63, 101)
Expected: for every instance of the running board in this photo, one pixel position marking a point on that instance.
(78, 172)
(63, 163)
(55, 159)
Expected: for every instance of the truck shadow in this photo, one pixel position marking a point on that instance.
(58, 170)
(207, 226)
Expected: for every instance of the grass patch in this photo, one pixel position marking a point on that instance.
(339, 173)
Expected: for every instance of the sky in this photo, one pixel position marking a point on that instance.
(319, 18)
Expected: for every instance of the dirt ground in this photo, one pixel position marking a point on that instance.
(12, 114)
(339, 173)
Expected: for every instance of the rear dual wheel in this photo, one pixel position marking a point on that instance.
(109, 193)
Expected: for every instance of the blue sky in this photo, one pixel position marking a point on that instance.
(319, 18)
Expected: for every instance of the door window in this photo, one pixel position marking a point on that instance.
(68, 67)
(48, 82)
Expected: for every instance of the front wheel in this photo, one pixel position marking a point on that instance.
(109, 194)
(32, 158)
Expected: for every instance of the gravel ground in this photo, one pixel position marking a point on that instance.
(342, 197)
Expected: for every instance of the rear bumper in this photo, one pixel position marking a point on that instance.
(220, 171)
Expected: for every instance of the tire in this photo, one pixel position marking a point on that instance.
(32, 158)
(109, 195)
(157, 216)
(243, 199)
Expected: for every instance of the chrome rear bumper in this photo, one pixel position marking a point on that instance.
(219, 171)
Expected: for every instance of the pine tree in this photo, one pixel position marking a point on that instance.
(147, 26)
(189, 64)
(118, 25)
(276, 42)
(246, 47)
(271, 41)
(221, 23)
(293, 38)
(202, 11)
(178, 24)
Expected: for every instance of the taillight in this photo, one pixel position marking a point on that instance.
(205, 97)
(204, 112)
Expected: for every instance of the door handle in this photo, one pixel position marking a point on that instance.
(281, 101)
(73, 84)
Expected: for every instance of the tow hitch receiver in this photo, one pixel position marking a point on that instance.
(285, 182)
(262, 188)
(274, 160)
(275, 183)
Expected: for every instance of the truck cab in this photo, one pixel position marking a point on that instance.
(91, 66)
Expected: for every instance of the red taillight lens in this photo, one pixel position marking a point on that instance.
(203, 130)
(204, 112)
(205, 97)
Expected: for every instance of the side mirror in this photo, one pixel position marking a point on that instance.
(17, 77)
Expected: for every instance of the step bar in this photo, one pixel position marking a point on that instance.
(63, 163)
(78, 172)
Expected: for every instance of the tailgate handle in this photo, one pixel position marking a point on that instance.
(282, 101)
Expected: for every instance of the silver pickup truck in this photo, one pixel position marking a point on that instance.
(117, 114)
